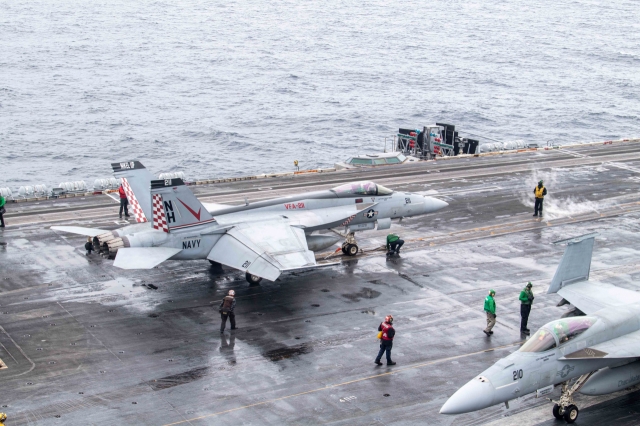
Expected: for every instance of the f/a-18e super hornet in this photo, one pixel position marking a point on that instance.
(264, 238)
(594, 354)
(278, 226)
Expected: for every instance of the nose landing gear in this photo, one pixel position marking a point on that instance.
(350, 246)
(565, 408)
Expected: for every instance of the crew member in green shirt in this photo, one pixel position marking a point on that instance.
(526, 299)
(490, 309)
(2, 210)
(393, 244)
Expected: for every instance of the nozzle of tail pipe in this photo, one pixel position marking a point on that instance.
(113, 246)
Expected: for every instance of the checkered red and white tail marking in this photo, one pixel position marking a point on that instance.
(133, 202)
(159, 218)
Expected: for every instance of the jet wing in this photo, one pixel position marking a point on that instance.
(265, 249)
(302, 218)
(143, 257)
(627, 346)
(591, 296)
(89, 232)
(325, 217)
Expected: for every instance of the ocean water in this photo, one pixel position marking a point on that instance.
(228, 88)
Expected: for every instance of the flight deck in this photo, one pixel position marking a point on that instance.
(83, 342)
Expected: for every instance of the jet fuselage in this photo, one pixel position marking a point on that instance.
(316, 207)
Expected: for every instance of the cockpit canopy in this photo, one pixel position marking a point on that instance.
(556, 333)
(360, 188)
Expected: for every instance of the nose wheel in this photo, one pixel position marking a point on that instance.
(565, 408)
(350, 249)
(350, 246)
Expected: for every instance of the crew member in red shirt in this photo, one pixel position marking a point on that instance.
(124, 203)
(386, 341)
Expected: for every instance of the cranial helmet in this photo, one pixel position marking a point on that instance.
(3, 417)
(540, 183)
(389, 319)
(492, 291)
(529, 284)
(232, 293)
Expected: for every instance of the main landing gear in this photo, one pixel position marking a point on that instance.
(350, 246)
(251, 279)
(565, 408)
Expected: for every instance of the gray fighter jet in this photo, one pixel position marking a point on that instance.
(270, 228)
(265, 238)
(594, 354)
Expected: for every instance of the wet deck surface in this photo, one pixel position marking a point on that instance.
(86, 343)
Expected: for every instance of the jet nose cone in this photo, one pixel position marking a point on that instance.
(433, 204)
(475, 395)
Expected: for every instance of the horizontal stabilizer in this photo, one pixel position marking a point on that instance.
(143, 257)
(89, 232)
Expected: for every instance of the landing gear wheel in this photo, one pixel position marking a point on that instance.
(571, 414)
(351, 249)
(350, 246)
(253, 279)
(558, 412)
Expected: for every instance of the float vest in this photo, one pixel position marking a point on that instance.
(385, 328)
(524, 296)
(539, 192)
(226, 304)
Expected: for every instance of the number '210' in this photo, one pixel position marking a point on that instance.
(517, 374)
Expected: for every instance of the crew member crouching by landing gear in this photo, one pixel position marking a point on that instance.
(393, 244)
(227, 306)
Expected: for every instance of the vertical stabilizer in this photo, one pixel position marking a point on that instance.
(175, 207)
(576, 262)
(135, 181)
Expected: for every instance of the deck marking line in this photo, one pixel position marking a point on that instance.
(388, 373)
(33, 364)
(85, 328)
